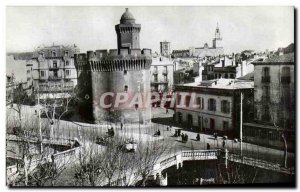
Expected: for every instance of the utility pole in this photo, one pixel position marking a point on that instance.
(241, 124)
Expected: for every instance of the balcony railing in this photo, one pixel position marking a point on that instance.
(155, 72)
(53, 68)
(286, 80)
(165, 72)
(265, 79)
(160, 82)
(55, 77)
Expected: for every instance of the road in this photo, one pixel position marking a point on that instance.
(88, 132)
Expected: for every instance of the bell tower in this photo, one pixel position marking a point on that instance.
(128, 32)
(217, 40)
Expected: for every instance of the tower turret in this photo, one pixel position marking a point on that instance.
(128, 32)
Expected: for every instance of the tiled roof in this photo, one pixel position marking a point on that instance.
(290, 57)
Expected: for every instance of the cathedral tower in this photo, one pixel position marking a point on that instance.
(217, 40)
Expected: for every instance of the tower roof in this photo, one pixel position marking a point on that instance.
(127, 18)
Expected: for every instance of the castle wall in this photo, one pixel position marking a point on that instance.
(112, 72)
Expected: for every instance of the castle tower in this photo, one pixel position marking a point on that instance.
(217, 40)
(125, 70)
(165, 48)
(128, 32)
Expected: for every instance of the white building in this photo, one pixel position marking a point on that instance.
(161, 70)
(217, 104)
(52, 69)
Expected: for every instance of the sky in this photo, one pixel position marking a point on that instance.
(92, 28)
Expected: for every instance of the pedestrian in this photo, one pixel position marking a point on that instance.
(208, 146)
(198, 137)
(186, 137)
(223, 143)
(167, 111)
(158, 132)
(167, 128)
(121, 126)
(182, 137)
(216, 136)
(35, 111)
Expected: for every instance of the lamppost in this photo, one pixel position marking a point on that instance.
(139, 112)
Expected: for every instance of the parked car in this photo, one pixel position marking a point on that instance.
(128, 146)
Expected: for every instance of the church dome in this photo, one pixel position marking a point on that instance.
(127, 18)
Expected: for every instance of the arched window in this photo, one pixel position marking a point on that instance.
(212, 105)
(53, 54)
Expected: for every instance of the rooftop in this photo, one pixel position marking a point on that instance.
(127, 17)
(222, 84)
(286, 58)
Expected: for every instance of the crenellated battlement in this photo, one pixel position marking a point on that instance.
(103, 60)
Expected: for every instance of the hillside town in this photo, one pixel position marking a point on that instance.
(134, 116)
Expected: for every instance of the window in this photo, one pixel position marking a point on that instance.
(178, 99)
(226, 76)
(266, 71)
(225, 106)
(67, 63)
(212, 105)
(285, 75)
(28, 71)
(53, 54)
(43, 73)
(125, 88)
(54, 64)
(266, 114)
(198, 102)
(231, 76)
(68, 72)
(125, 72)
(187, 100)
(202, 103)
(66, 53)
(265, 75)
(266, 93)
(225, 125)
(55, 74)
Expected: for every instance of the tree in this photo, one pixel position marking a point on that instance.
(282, 133)
(55, 105)
(104, 165)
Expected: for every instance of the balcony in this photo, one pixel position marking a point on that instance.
(52, 68)
(265, 79)
(286, 80)
(165, 72)
(156, 82)
(155, 72)
(54, 78)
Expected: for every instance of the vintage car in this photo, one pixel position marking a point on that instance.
(129, 146)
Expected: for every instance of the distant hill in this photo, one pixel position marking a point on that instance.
(21, 56)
